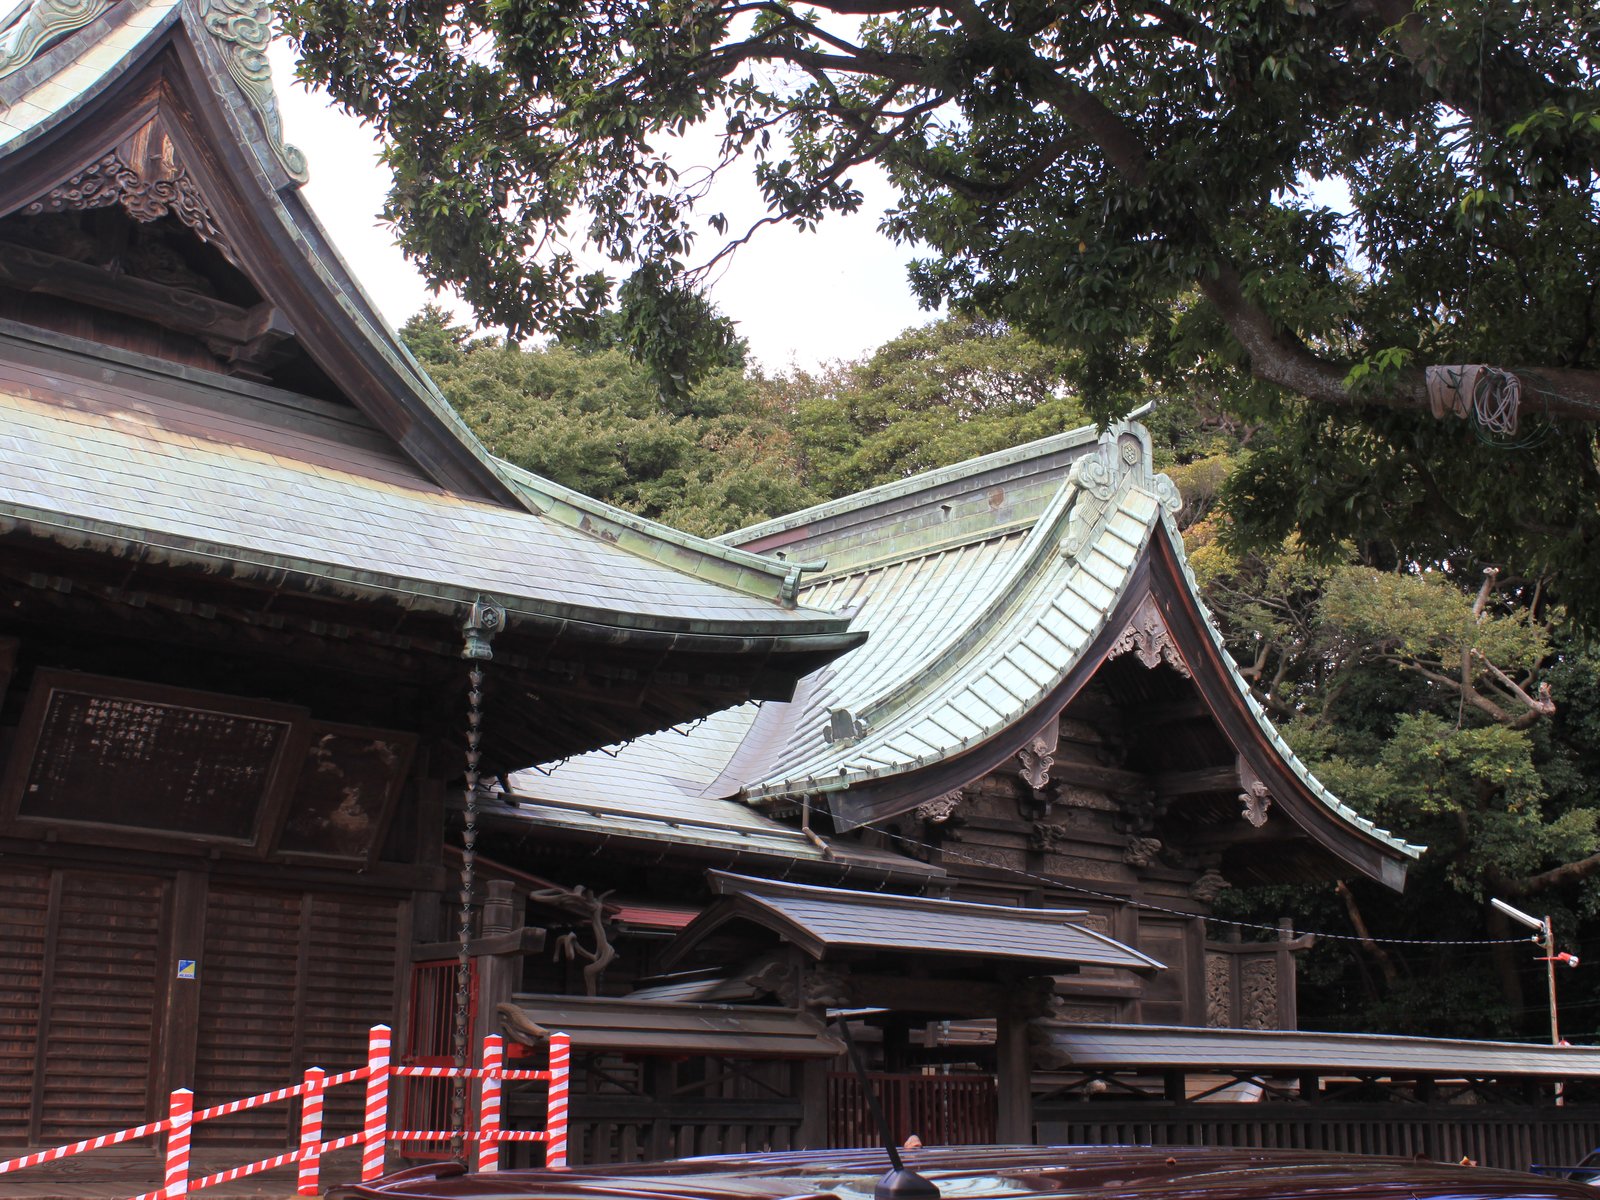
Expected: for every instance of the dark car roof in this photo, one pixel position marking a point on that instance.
(969, 1172)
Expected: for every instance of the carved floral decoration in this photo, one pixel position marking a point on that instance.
(146, 177)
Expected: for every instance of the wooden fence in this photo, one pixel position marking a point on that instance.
(1499, 1135)
(607, 1130)
(942, 1110)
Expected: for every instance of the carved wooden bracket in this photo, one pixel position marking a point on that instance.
(810, 986)
(1255, 797)
(1141, 851)
(1039, 755)
(1209, 886)
(1147, 636)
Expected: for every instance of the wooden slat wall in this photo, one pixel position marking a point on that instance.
(101, 1003)
(248, 986)
(23, 917)
(290, 980)
(351, 953)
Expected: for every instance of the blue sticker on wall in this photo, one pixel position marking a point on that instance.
(186, 968)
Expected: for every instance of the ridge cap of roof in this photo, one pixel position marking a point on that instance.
(731, 883)
(753, 574)
(912, 484)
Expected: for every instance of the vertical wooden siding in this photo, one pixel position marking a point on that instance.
(942, 1110)
(23, 920)
(290, 981)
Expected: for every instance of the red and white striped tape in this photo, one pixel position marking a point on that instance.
(555, 1125)
(39, 1157)
(238, 1106)
(375, 1124)
(489, 1103)
(375, 1134)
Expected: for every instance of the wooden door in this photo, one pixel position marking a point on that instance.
(83, 955)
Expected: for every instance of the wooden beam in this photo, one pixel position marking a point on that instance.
(243, 331)
(1191, 783)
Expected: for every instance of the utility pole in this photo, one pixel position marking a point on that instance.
(1547, 938)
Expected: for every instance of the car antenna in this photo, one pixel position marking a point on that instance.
(899, 1183)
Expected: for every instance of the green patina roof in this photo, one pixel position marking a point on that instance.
(972, 627)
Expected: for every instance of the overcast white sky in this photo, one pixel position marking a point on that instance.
(801, 299)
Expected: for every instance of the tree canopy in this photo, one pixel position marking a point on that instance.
(1132, 182)
(589, 417)
(1086, 171)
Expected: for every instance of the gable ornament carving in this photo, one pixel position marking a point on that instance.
(145, 175)
(242, 29)
(1148, 637)
(40, 23)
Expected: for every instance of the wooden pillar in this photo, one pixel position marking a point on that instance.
(811, 1085)
(498, 974)
(1288, 976)
(180, 1023)
(1014, 1120)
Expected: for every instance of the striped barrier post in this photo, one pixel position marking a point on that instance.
(555, 1125)
(311, 1131)
(489, 1103)
(375, 1127)
(177, 1171)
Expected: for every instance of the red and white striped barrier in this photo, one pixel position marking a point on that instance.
(375, 1134)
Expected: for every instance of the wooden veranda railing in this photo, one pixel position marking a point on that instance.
(1494, 1135)
(942, 1110)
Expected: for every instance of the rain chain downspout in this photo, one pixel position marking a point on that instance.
(483, 622)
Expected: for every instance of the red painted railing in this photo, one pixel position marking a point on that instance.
(375, 1134)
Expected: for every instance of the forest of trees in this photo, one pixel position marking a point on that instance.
(1444, 695)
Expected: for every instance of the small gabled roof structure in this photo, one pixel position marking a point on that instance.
(994, 591)
(192, 382)
(838, 923)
